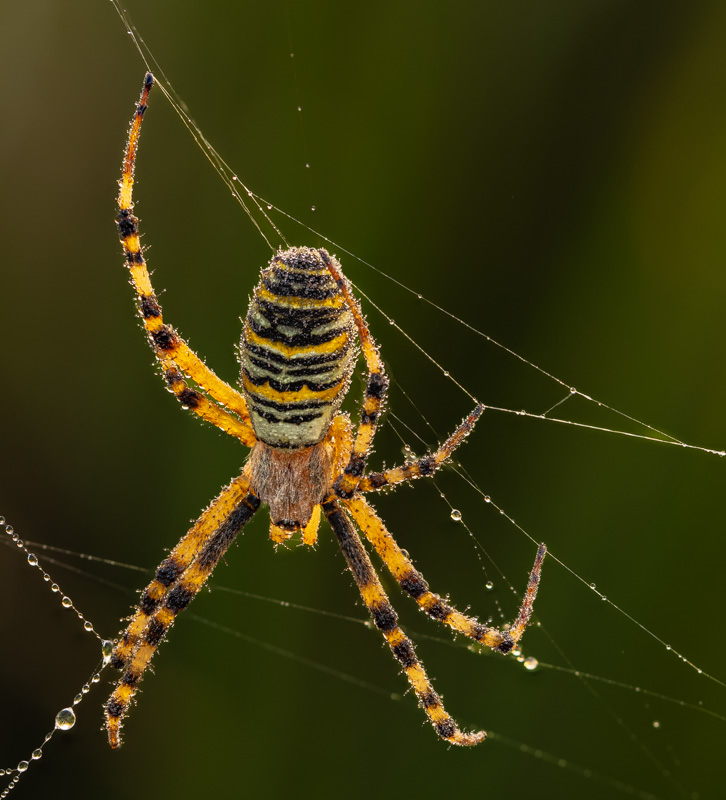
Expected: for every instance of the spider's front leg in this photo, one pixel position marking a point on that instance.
(413, 583)
(386, 621)
(178, 580)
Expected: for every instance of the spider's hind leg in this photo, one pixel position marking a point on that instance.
(174, 355)
(386, 621)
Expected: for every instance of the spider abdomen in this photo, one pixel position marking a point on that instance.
(297, 350)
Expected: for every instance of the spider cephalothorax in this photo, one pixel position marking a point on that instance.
(297, 353)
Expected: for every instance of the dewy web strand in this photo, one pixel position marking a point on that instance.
(65, 718)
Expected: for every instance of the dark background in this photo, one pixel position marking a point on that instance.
(553, 174)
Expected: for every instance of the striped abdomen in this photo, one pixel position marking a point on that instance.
(298, 350)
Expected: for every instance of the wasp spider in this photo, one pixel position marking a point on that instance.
(298, 350)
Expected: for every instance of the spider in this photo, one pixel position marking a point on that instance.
(299, 346)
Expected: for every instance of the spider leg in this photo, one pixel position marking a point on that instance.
(174, 355)
(178, 579)
(413, 583)
(425, 466)
(375, 394)
(386, 621)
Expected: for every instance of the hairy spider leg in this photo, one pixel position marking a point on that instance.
(413, 583)
(374, 398)
(425, 466)
(386, 620)
(177, 562)
(178, 579)
(172, 352)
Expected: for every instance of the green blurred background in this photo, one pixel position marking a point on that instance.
(553, 174)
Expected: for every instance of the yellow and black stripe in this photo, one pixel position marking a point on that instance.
(374, 399)
(422, 467)
(174, 355)
(386, 620)
(177, 581)
(413, 583)
(297, 351)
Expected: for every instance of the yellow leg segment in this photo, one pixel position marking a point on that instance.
(178, 579)
(174, 355)
(386, 621)
(375, 395)
(425, 466)
(413, 583)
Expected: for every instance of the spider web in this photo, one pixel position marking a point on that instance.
(634, 517)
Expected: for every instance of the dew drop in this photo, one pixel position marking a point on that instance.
(10, 531)
(106, 650)
(65, 719)
(487, 499)
(2, 520)
(516, 652)
(603, 598)
(489, 586)
(22, 766)
(593, 585)
(530, 663)
(32, 560)
(656, 723)
(668, 647)
(66, 602)
(36, 754)
(312, 208)
(269, 207)
(456, 515)
(87, 626)
(307, 166)
(77, 699)
(55, 588)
